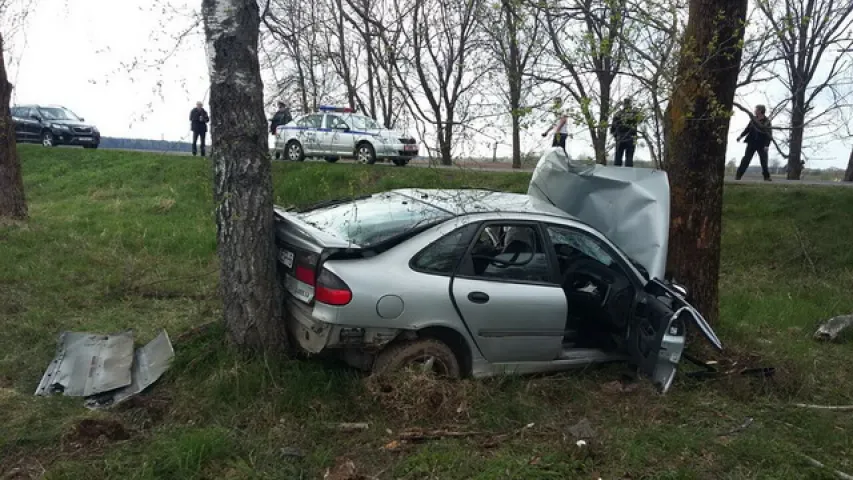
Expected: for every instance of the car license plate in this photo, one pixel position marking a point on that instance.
(410, 148)
(300, 290)
(286, 258)
(84, 139)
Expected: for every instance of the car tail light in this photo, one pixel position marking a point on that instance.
(304, 268)
(331, 290)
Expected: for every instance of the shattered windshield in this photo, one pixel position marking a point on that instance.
(369, 221)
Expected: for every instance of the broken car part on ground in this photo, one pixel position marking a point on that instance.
(474, 282)
(104, 368)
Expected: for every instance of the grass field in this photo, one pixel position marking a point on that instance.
(126, 240)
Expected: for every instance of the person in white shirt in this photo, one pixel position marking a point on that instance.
(561, 132)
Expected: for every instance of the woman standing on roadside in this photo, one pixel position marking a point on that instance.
(561, 131)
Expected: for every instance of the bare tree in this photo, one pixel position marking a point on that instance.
(586, 39)
(848, 175)
(243, 179)
(805, 35)
(441, 64)
(699, 113)
(516, 42)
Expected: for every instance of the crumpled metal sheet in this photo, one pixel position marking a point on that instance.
(628, 205)
(88, 364)
(149, 364)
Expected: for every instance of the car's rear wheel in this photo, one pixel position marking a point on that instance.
(365, 153)
(294, 152)
(424, 354)
(47, 139)
(401, 162)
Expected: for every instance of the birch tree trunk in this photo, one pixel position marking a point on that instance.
(242, 187)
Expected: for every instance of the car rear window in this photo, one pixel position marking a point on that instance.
(369, 221)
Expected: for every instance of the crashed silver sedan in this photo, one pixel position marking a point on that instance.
(475, 282)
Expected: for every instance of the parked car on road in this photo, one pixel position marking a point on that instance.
(53, 125)
(334, 133)
(476, 282)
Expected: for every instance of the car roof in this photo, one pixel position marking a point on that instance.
(467, 201)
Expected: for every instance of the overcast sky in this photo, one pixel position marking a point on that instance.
(82, 54)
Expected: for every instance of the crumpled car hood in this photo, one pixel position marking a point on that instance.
(628, 205)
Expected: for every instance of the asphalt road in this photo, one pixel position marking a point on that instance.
(507, 168)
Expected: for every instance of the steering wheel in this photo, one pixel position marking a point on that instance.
(592, 269)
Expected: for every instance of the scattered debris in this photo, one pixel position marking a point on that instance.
(149, 363)
(838, 474)
(582, 430)
(710, 370)
(619, 386)
(739, 429)
(104, 368)
(840, 408)
(91, 430)
(87, 364)
(832, 329)
(344, 469)
(350, 427)
(291, 452)
(419, 435)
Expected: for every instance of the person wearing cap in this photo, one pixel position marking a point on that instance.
(198, 125)
(281, 117)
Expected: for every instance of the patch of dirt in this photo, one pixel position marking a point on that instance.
(344, 469)
(97, 431)
(416, 396)
(145, 411)
(25, 468)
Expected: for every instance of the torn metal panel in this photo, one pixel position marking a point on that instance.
(88, 364)
(628, 205)
(149, 364)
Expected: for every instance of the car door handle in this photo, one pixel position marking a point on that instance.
(478, 297)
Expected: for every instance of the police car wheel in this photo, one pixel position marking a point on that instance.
(294, 152)
(366, 154)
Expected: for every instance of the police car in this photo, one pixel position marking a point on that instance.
(335, 132)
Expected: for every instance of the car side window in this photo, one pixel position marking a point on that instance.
(570, 244)
(336, 122)
(311, 121)
(14, 111)
(509, 252)
(441, 256)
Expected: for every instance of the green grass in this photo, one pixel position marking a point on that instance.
(126, 240)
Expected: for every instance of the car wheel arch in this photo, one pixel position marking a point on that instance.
(453, 339)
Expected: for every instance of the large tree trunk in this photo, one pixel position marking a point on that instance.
(13, 204)
(795, 156)
(702, 98)
(242, 186)
(848, 175)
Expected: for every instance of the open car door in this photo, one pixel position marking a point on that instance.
(657, 336)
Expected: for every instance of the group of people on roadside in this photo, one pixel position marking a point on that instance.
(199, 120)
(758, 136)
(623, 128)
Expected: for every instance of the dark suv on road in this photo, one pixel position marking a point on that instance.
(52, 126)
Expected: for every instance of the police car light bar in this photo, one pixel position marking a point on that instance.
(326, 108)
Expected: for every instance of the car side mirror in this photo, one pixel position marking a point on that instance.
(82, 119)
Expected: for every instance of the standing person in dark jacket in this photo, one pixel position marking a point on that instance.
(281, 117)
(198, 125)
(624, 130)
(759, 136)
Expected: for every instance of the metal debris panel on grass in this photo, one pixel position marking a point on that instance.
(88, 364)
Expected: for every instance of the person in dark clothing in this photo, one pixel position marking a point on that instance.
(759, 136)
(624, 130)
(198, 125)
(281, 117)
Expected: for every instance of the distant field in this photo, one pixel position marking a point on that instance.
(126, 240)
